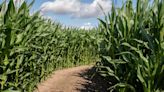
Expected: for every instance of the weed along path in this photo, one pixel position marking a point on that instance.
(68, 80)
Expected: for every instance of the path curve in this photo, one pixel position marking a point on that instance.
(67, 80)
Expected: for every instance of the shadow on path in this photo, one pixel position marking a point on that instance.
(94, 83)
(77, 79)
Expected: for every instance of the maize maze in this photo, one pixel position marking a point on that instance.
(127, 47)
(31, 47)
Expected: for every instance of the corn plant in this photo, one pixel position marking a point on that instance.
(132, 54)
(31, 47)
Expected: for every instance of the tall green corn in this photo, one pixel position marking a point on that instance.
(132, 54)
(31, 47)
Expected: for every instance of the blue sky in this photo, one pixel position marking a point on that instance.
(85, 18)
(76, 13)
(66, 19)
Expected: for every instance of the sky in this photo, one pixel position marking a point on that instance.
(74, 13)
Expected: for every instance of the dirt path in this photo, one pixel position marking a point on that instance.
(67, 80)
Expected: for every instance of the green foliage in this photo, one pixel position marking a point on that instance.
(32, 47)
(131, 48)
(132, 53)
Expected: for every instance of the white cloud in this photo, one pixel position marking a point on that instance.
(76, 8)
(87, 26)
(61, 6)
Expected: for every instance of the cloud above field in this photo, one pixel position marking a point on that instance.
(87, 26)
(76, 8)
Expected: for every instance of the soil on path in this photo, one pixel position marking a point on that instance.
(70, 80)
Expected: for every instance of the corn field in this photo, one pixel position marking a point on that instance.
(31, 47)
(127, 47)
(132, 50)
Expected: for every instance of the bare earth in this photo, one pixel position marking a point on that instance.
(67, 80)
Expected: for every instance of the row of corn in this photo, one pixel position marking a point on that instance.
(31, 47)
(132, 50)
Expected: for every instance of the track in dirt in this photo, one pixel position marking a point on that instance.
(70, 80)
